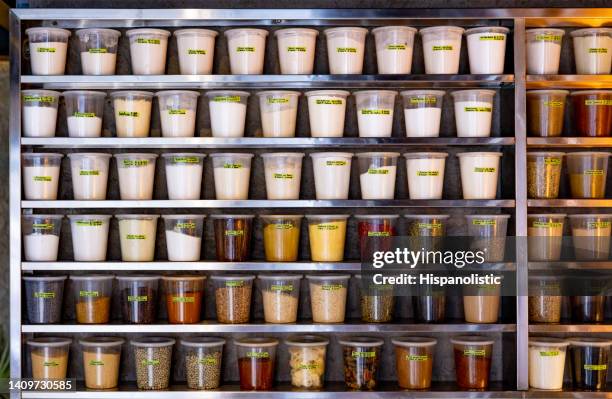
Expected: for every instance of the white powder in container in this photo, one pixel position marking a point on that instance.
(137, 236)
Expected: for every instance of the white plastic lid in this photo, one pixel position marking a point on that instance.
(258, 342)
(472, 92)
(484, 29)
(296, 31)
(591, 31)
(329, 93)
(547, 215)
(49, 342)
(435, 29)
(103, 342)
(545, 154)
(249, 31)
(41, 92)
(282, 155)
(590, 92)
(44, 278)
(347, 29)
(147, 31)
(331, 155)
(278, 93)
(41, 155)
(217, 93)
(153, 342)
(89, 154)
(183, 155)
(111, 32)
(181, 217)
(231, 154)
(479, 154)
(307, 341)
(167, 93)
(93, 277)
(414, 341)
(548, 342)
(37, 216)
(382, 29)
(137, 217)
(377, 154)
(202, 342)
(550, 31)
(595, 342)
(41, 29)
(368, 217)
(553, 92)
(327, 217)
(89, 217)
(129, 93)
(487, 216)
(421, 155)
(361, 341)
(423, 216)
(415, 93)
(269, 217)
(196, 32)
(375, 93)
(471, 340)
(136, 155)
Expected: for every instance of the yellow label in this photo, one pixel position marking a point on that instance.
(84, 114)
(183, 299)
(547, 224)
(548, 38)
(598, 50)
(594, 172)
(89, 294)
(417, 358)
(331, 287)
(595, 367)
(100, 50)
(552, 161)
(258, 355)
(553, 104)
(89, 173)
(430, 226)
(248, 49)
(597, 102)
(136, 237)
(132, 114)
(278, 100)
(129, 163)
(396, 47)
(43, 99)
(304, 366)
(177, 112)
(335, 163)
(193, 51)
(44, 295)
(346, 50)
(598, 225)
(328, 102)
(477, 109)
(42, 226)
(423, 100)
(484, 170)
(89, 223)
(226, 99)
(210, 360)
(52, 363)
(138, 298)
(186, 160)
(185, 225)
(45, 50)
(235, 283)
(375, 112)
(492, 37)
(379, 234)
(42, 178)
(484, 222)
(232, 166)
(549, 353)
(150, 362)
(328, 227)
(282, 176)
(442, 48)
(378, 171)
(96, 363)
(360, 354)
(279, 287)
(474, 352)
(428, 173)
(283, 226)
(142, 40)
(234, 233)
(296, 49)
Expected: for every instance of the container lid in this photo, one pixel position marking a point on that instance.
(53, 342)
(550, 92)
(42, 155)
(557, 32)
(327, 217)
(589, 154)
(232, 154)
(368, 217)
(105, 342)
(419, 155)
(183, 154)
(414, 93)
(545, 154)
(289, 31)
(90, 93)
(165, 93)
(136, 155)
(376, 92)
(590, 216)
(483, 29)
(282, 154)
(83, 32)
(257, 341)
(196, 32)
(487, 216)
(583, 341)
(37, 216)
(147, 31)
(281, 216)
(89, 217)
(331, 276)
(591, 31)
(331, 93)
(473, 91)
(93, 277)
(42, 92)
(182, 217)
(154, 342)
(345, 29)
(331, 154)
(455, 29)
(547, 341)
(278, 93)
(280, 276)
(230, 32)
(306, 340)
(202, 342)
(44, 278)
(183, 278)
(394, 27)
(138, 277)
(589, 92)
(233, 277)
(377, 154)
(479, 154)
(229, 216)
(471, 340)
(414, 341)
(137, 217)
(546, 215)
(215, 93)
(89, 154)
(125, 93)
(361, 341)
(423, 216)
(45, 29)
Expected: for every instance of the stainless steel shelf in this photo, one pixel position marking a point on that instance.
(568, 393)
(570, 328)
(569, 81)
(569, 142)
(570, 203)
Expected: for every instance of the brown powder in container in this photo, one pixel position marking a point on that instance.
(586, 185)
(233, 303)
(414, 365)
(94, 310)
(545, 111)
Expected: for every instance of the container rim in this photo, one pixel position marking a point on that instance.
(202, 342)
(126, 93)
(138, 277)
(548, 341)
(331, 154)
(280, 276)
(471, 340)
(425, 155)
(454, 29)
(361, 341)
(331, 93)
(113, 32)
(104, 342)
(197, 32)
(287, 31)
(147, 31)
(183, 278)
(92, 277)
(414, 341)
(53, 342)
(320, 277)
(306, 340)
(44, 278)
(46, 29)
(233, 277)
(153, 342)
(258, 342)
(586, 341)
(368, 217)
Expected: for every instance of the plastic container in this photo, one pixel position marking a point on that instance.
(482, 308)
(184, 173)
(593, 51)
(283, 174)
(479, 174)
(544, 299)
(148, 50)
(472, 361)
(377, 171)
(414, 361)
(184, 237)
(591, 236)
(473, 112)
(592, 112)
(139, 298)
(545, 233)
(49, 357)
(281, 293)
(137, 235)
(39, 112)
(328, 297)
(327, 234)
(326, 112)
(132, 113)
(587, 173)
(48, 48)
(488, 234)
(307, 360)
(203, 357)
(345, 50)
(543, 50)
(89, 237)
(184, 298)
(375, 112)
(177, 112)
(246, 47)
(394, 48)
(278, 110)
(588, 309)
(425, 174)
(487, 49)
(41, 236)
(84, 111)
(232, 237)
(377, 302)
(281, 236)
(153, 360)
(332, 174)
(43, 298)
(227, 112)
(546, 362)
(101, 361)
(545, 110)
(429, 306)
(422, 112)
(441, 49)
(233, 297)
(98, 49)
(232, 172)
(544, 174)
(296, 50)
(256, 360)
(41, 175)
(426, 231)
(361, 361)
(196, 49)
(89, 175)
(375, 232)
(136, 175)
(589, 363)
(92, 297)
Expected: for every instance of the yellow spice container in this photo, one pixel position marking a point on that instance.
(281, 237)
(327, 234)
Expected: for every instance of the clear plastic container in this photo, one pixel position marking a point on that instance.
(488, 234)
(472, 361)
(546, 362)
(281, 293)
(148, 50)
(487, 49)
(593, 51)
(43, 298)
(588, 309)
(328, 297)
(483, 307)
(92, 297)
(283, 174)
(39, 112)
(592, 112)
(184, 298)
(98, 49)
(425, 172)
(377, 171)
(544, 174)
(544, 299)
(473, 112)
(153, 360)
(89, 175)
(394, 48)
(296, 50)
(422, 112)
(591, 236)
(414, 361)
(177, 112)
(375, 112)
(41, 236)
(543, 50)
(426, 231)
(479, 174)
(184, 172)
(362, 357)
(101, 361)
(307, 360)
(48, 48)
(326, 112)
(587, 173)
(327, 234)
(377, 302)
(233, 297)
(139, 298)
(332, 174)
(136, 175)
(247, 48)
(232, 172)
(196, 50)
(589, 363)
(545, 111)
(429, 306)
(184, 237)
(441, 49)
(84, 111)
(49, 357)
(137, 234)
(345, 50)
(281, 236)
(375, 232)
(89, 237)
(203, 357)
(132, 112)
(41, 175)
(545, 233)
(232, 237)
(278, 110)
(256, 360)
(227, 112)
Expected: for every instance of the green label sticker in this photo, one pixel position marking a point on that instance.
(379, 234)
(136, 237)
(329, 102)
(51, 363)
(89, 223)
(132, 114)
(245, 49)
(428, 173)
(232, 166)
(42, 178)
(335, 163)
(327, 226)
(594, 172)
(549, 353)
(278, 100)
(283, 175)
(84, 115)
(45, 50)
(417, 358)
(430, 226)
(96, 363)
(44, 295)
(346, 50)
(478, 169)
(154, 362)
(548, 38)
(375, 112)
(552, 161)
(282, 226)
(360, 354)
(193, 51)
(235, 283)
(100, 50)
(138, 298)
(142, 40)
(477, 109)
(331, 287)
(89, 173)
(42, 99)
(492, 37)
(89, 294)
(42, 226)
(423, 100)
(258, 355)
(226, 99)
(280, 287)
(296, 49)
(208, 360)
(128, 163)
(598, 225)
(186, 160)
(396, 47)
(547, 224)
(183, 299)
(484, 222)
(177, 112)
(595, 367)
(234, 233)
(307, 366)
(597, 102)
(553, 104)
(185, 225)
(378, 171)
(442, 48)
(474, 352)
(598, 50)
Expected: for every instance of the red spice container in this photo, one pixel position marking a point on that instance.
(184, 298)
(232, 237)
(592, 112)
(256, 358)
(472, 361)
(375, 232)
